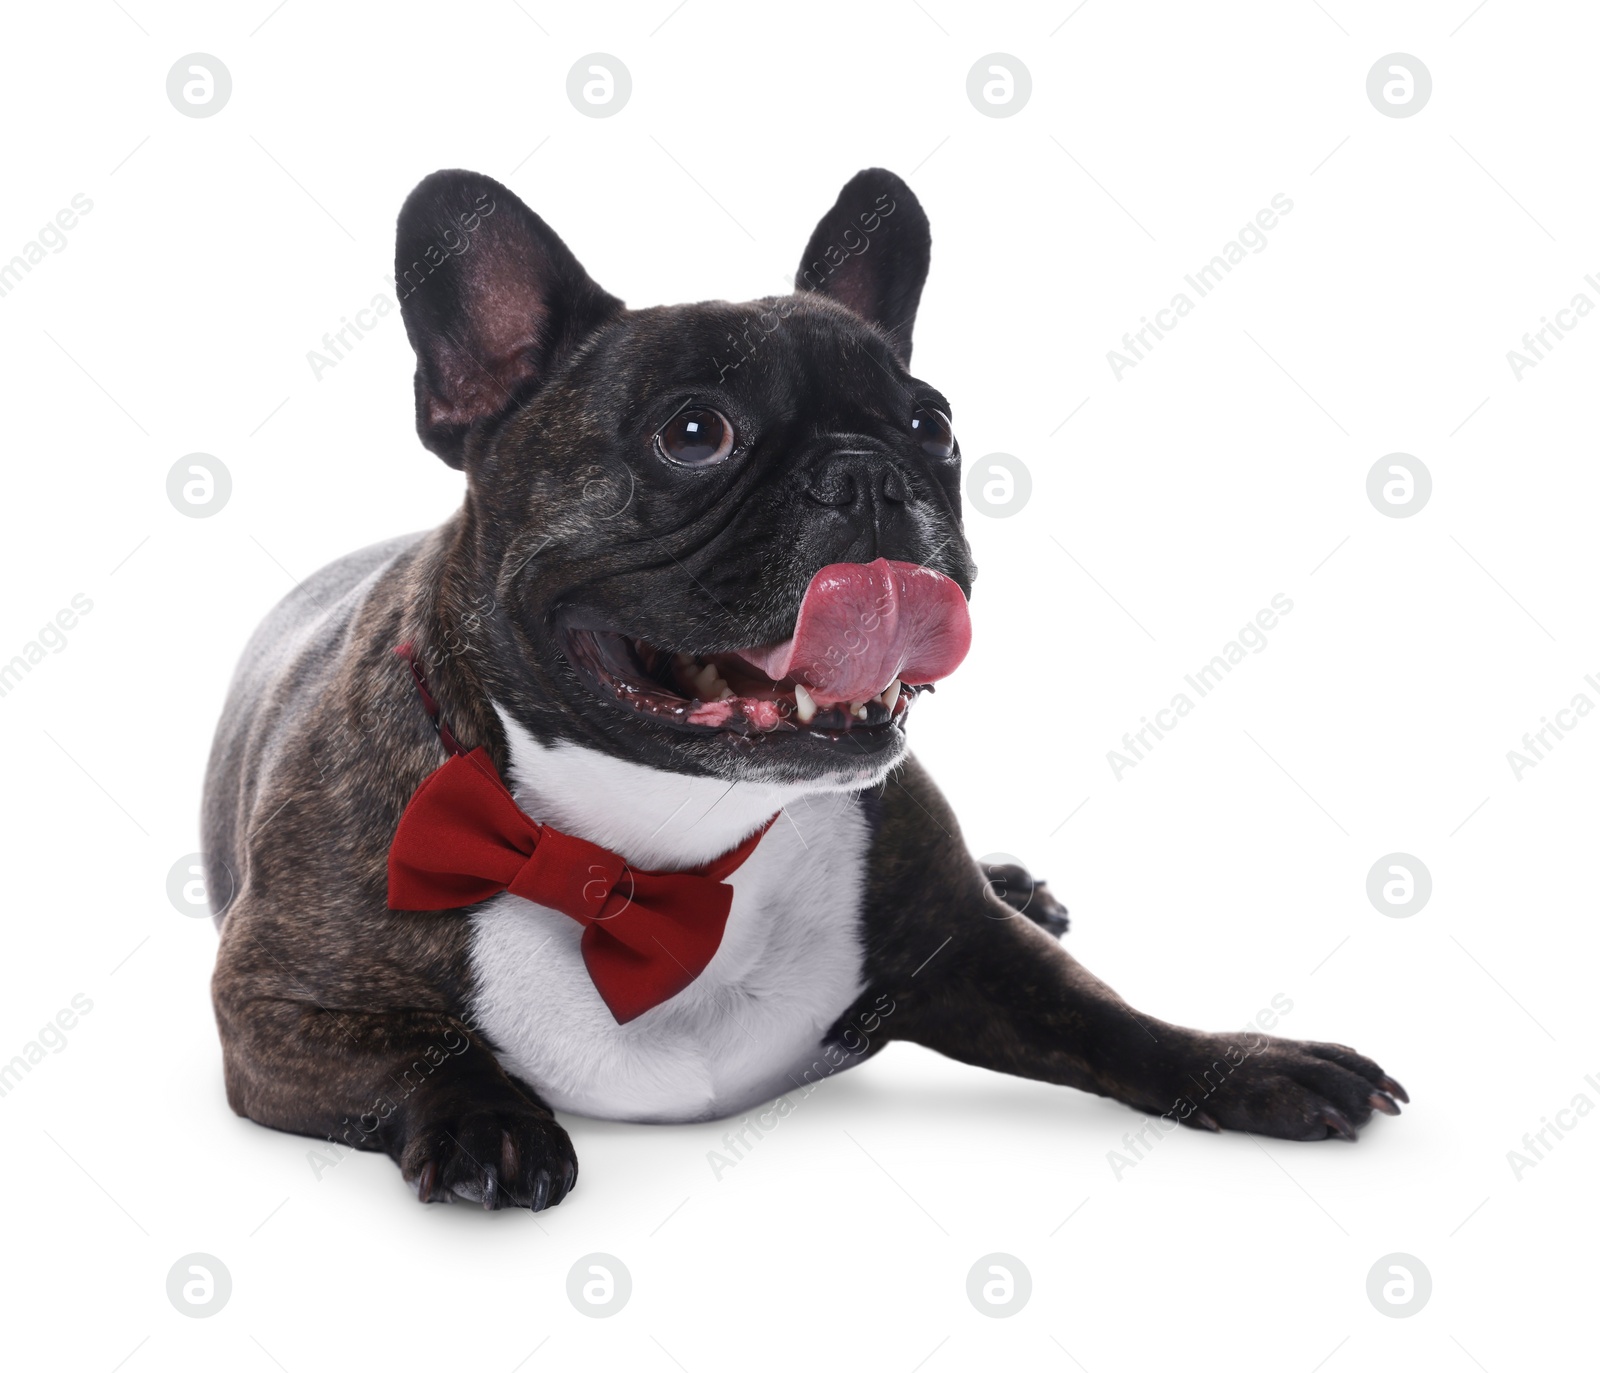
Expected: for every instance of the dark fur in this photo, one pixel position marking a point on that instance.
(342, 1019)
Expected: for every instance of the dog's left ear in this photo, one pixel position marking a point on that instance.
(492, 300)
(870, 253)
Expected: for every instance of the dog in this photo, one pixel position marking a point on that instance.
(597, 798)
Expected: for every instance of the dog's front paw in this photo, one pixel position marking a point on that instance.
(1287, 1088)
(514, 1154)
(1028, 895)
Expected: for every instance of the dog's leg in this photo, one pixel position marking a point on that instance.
(417, 1085)
(968, 977)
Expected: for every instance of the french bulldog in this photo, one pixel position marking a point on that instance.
(640, 702)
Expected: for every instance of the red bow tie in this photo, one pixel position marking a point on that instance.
(647, 935)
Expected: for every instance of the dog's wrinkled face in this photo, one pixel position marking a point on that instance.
(705, 531)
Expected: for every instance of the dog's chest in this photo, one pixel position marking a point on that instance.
(751, 1024)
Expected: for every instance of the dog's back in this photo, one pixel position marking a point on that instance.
(287, 664)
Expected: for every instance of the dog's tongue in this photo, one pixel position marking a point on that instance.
(862, 625)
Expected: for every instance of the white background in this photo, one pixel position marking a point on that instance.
(1226, 868)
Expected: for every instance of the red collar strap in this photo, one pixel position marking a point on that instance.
(463, 839)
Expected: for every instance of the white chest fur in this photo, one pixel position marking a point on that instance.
(789, 964)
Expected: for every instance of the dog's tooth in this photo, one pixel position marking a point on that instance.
(708, 684)
(891, 694)
(859, 709)
(804, 706)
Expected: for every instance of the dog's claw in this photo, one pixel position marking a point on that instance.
(493, 1156)
(1338, 1122)
(1394, 1089)
(1382, 1101)
(1200, 1120)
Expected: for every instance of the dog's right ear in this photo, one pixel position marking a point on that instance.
(491, 298)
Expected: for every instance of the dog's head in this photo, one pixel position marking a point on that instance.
(717, 539)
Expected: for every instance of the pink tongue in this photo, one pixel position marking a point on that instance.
(862, 625)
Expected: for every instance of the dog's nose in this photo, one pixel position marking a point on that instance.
(852, 481)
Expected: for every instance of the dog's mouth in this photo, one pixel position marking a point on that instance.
(869, 638)
(721, 691)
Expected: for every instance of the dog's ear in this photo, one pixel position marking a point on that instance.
(870, 253)
(491, 299)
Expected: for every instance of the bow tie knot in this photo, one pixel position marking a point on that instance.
(573, 876)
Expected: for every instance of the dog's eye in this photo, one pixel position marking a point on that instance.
(932, 427)
(695, 438)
